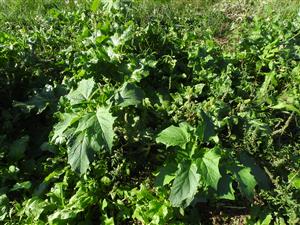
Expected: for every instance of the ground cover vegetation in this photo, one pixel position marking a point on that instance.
(149, 112)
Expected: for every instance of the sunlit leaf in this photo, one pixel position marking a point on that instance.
(209, 167)
(80, 153)
(174, 136)
(82, 93)
(106, 121)
(166, 174)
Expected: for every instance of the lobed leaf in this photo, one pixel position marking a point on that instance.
(174, 136)
(185, 184)
(82, 93)
(129, 94)
(209, 167)
(80, 153)
(106, 121)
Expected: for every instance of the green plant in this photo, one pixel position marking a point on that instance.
(129, 112)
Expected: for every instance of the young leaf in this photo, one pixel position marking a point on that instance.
(80, 153)
(106, 121)
(209, 167)
(174, 136)
(82, 93)
(185, 184)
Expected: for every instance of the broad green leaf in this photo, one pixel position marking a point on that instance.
(54, 175)
(259, 174)
(81, 199)
(185, 184)
(225, 189)
(61, 216)
(129, 94)
(86, 121)
(95, 5)
(108, 220)
(246, 182)
(294, 179)
(154, 212)
(80, 153)
(265, 88)
(82, 93)
(67, 119)
(17, 148)
(209, 167)
(166, 174)
(108, 5)
(174, 136)
(94, 130)
(56, 194)
(106, 121)
(205, 129)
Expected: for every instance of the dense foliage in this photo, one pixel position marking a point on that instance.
(112, 116)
